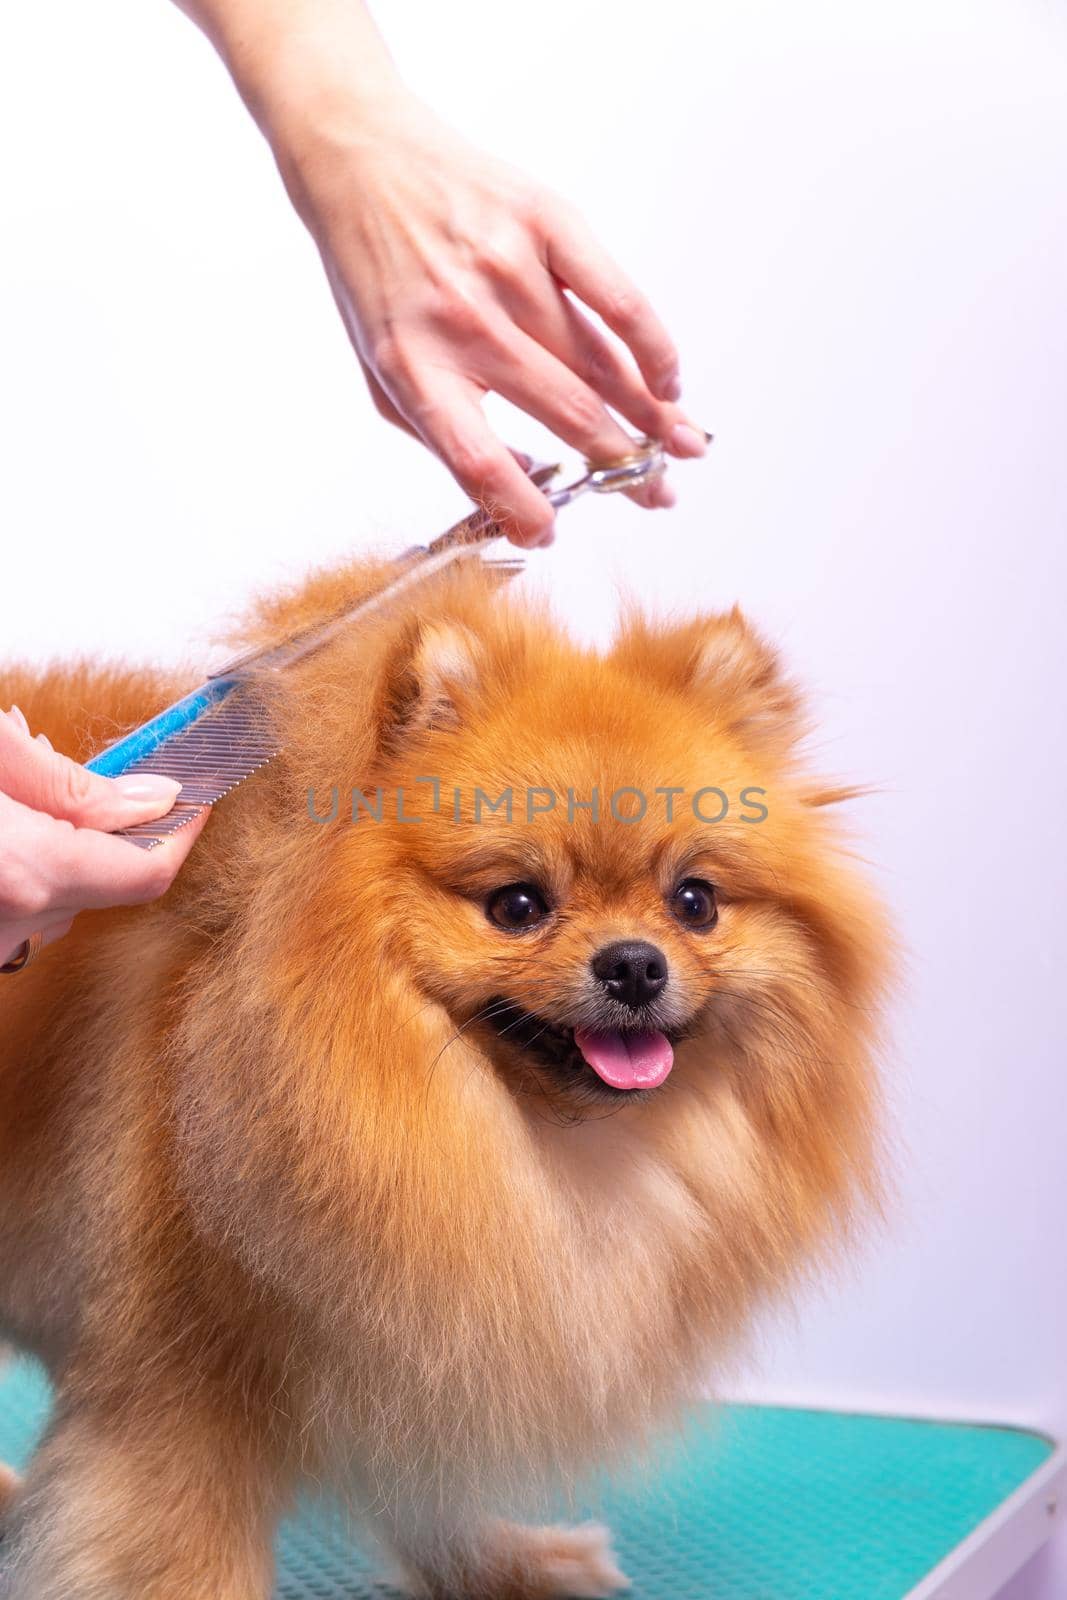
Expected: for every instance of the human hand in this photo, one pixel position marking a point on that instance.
(449, 267)
(56, 854)
(449, 270)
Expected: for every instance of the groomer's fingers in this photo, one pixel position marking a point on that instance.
(528, 375)
(382, 403)
(37, 776)
(88, 870)
(549, 316)
(575, 257)
(387, 410)
(51, 870)
(446, 414)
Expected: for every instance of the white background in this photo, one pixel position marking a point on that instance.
(853, 219)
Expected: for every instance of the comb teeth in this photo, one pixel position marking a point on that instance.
(227, 744)
(502, 569)
(218, 743)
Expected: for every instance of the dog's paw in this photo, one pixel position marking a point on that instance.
(511, 1561)
(557, 1563)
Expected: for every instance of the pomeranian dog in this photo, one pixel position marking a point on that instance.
(501, 1048)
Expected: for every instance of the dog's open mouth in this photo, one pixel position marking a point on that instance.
(623, 1059)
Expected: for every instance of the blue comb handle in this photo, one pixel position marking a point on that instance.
(137, 746)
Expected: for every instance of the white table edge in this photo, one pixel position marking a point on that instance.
(994, 1551)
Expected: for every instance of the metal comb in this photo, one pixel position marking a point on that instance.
(220, 734)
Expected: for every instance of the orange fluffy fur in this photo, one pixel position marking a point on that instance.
(277, 1206)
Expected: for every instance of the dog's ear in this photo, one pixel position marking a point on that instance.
(736, 666)
(725, 662)
(431, 680)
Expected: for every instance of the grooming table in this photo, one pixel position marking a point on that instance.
(755, 1503)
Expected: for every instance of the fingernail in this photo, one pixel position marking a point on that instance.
(18, 719)
(688, 441)
(525, 461)
(665, 496)
(671, 388)
(147, 786)
(42, 738)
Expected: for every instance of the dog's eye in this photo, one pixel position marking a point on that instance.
(693, 902)
(517, 905)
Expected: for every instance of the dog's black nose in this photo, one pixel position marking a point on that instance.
(631, 971)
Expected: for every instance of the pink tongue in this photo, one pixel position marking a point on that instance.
(627, 1060)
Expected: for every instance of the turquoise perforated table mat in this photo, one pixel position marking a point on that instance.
(753, 1503)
